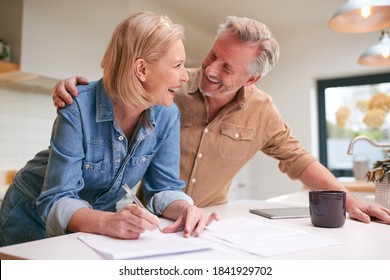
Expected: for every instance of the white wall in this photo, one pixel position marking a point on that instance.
(63, 38)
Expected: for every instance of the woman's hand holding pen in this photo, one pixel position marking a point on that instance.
(130, 222)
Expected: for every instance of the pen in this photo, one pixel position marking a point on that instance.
(135, 199)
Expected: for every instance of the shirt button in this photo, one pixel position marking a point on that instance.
(118, 160)
(143, 159)
(87, 166)
(193, 180)
(200, 155)
(121, 138)
(237, 135)
(206, 130)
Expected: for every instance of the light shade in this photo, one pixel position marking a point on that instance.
(379, 54)
(358, 16)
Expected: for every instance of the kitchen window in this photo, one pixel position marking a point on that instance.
(348, 107)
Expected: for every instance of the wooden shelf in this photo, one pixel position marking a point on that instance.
(6, 67)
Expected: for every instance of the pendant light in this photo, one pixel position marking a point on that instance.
(379, 54)
(358, 16)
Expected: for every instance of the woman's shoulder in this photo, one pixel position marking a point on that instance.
(87, 93)
(86, 98)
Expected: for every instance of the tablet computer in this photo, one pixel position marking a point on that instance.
(283, 213)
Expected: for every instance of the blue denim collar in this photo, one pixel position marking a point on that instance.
(104, 104)
(105, 109)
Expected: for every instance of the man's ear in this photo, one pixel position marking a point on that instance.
(252, 80)
(140, 69)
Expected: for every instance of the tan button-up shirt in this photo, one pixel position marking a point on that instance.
(213, 153)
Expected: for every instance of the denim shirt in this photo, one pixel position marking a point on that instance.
(90, 158)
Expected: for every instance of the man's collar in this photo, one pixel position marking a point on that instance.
(241, 99)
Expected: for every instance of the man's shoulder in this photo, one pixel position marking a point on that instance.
(254, 93)
(192, 85)
(193, 72)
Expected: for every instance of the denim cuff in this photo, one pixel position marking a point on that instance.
(60, 215)
(161, 200)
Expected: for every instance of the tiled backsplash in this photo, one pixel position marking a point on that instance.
(26, 119)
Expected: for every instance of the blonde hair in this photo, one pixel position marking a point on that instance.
(140, 35)
(254, 32)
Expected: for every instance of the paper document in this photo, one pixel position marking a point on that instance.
(151, 243)
(245, 234)
(263, 239)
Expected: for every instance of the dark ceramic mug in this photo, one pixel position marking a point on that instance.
(327, 208)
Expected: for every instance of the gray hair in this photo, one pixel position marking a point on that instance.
(253, 31)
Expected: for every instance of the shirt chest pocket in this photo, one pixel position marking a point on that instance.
(235, 142)
(94, 172)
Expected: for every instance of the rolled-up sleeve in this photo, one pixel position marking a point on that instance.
(61, 213)
(160, 201)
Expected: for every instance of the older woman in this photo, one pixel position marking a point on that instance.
(119, 129)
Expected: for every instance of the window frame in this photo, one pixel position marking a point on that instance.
(322, 85)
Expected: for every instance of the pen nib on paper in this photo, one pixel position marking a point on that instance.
(136, 200)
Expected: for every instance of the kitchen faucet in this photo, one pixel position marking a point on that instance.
(362, 137)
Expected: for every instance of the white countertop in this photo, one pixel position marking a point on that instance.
(357, 240)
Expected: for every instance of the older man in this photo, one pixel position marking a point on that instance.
(226, 120)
